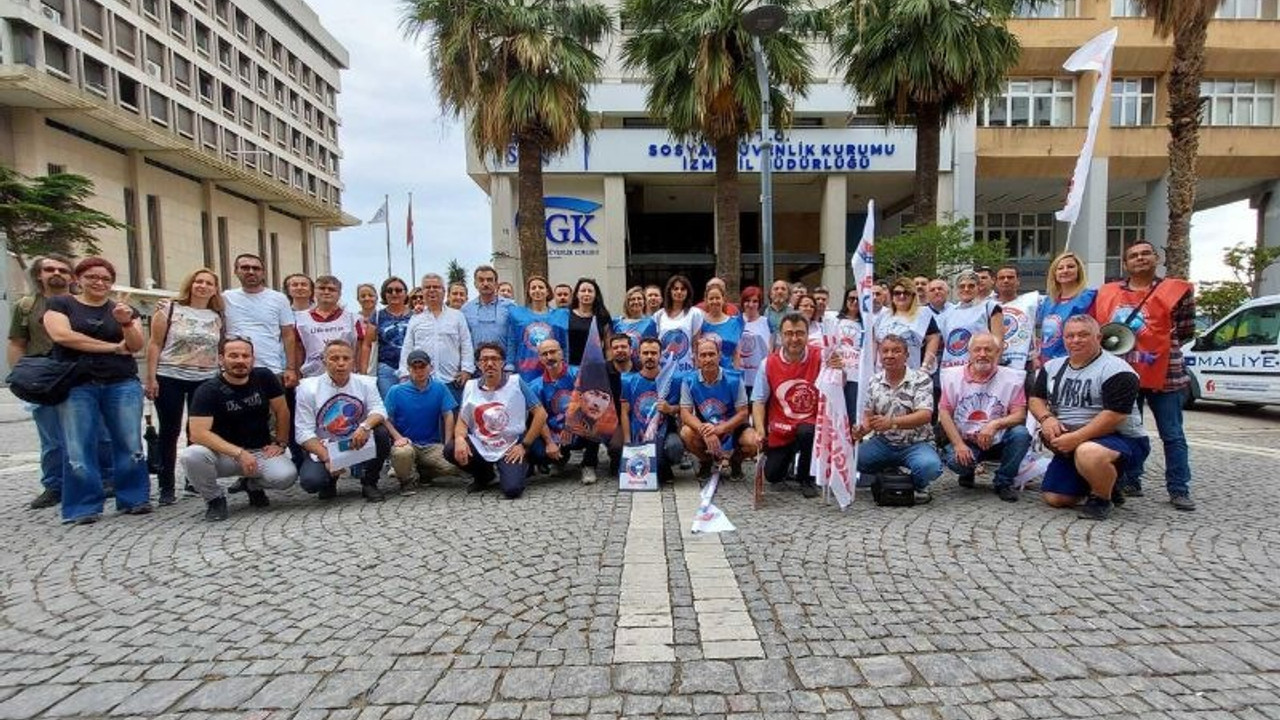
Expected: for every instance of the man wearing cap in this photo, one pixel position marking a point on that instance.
(419, 417)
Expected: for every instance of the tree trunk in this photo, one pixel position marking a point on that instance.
(928, 148)
(1184, 141)
(728, 235)
(531, 212)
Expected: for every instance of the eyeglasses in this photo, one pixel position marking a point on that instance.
(1141, 253)
(57, 271)
(395, 291)
(901, 293)
(97, 278)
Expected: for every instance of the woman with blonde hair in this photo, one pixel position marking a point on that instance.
(634, 323)
(182, 354)
(904, 317)
(1066, 295)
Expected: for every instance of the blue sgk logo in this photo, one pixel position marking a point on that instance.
(569, 226)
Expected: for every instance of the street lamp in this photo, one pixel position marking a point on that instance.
(762, 22)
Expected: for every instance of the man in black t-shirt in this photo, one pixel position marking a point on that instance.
(231, 433)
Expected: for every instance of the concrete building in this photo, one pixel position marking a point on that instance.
(209, 127)
(632, 207)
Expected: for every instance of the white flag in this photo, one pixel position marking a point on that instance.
(381, 215)
(832, 461)
(709, 518)
(1093, 56)
(864, 272)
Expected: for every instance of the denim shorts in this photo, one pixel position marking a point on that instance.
(1061, 476)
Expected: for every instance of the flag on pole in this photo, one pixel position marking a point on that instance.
(663, 382)
(381, 215)
(864, 270)
(591, 414)
(408, 229)
(832, 445)
(1093, 56)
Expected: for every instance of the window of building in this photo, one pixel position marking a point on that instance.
(92, 19)
(221, 9)
(1025, 235)
(248, 112)
(264, 82)
(242, 24)
(229, 101)
(209, 133)
(158, 107)
(181, 73)
(1248, 10)
(224, 247)
(275, 256)
(56, 58)
(260, 40)
(1123, 229)
(95, 77)
(206, 239)
(1032, 102)
(186, 122)
(204, 86)
(1239, 102)
(132, 251)
(127, 92)
(224, 53)
(178, 21)
(1133, 102)
(1126, 9)
(1047, 9)
(277, 52)
(264, 122)
(202, 38)
(151, 9)
(126, 38)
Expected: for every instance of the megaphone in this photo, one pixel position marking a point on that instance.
(1117, 338)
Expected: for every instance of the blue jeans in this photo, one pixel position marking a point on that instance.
(1166, 407)
(920, 459)
(387, 379)
(53, 460)
(90, 409)
(1011, 449)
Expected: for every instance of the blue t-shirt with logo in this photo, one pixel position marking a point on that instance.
(391, 329)
(641, 395)
(525, 329)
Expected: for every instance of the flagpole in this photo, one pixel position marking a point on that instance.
(413, 254)
(386, 223)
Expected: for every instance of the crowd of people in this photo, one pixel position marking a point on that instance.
(277, 387)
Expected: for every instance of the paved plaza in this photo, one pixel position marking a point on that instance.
(581, 602)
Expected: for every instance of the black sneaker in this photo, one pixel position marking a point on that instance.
(258, 498)
(1007, 493)
(239, 486)
(704, 469)
(1095, 508)
(189, 490)
(108, 491)
(372, 494)
(735, 470)
(48, 498)
(143, 509)
(85, 520)
(966, 480)
(216, 509)
(808, 489)
(476, 486)
(1131, 490)
(1182, 501)
(168, 496)
(329, 491)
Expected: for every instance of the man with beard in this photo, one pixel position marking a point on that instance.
(499, 420)
(563, 294)
(554, 390)
(231, 431)
(779, 304)
(982, 411)
(641, 404)
(652, 299)
(784, 403)
(1019, 317)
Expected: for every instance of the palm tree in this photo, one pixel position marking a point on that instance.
(519, 70)
(703, 87)
(1188, 22)
(923, 61)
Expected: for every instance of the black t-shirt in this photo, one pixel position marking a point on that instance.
(99, 324)
(241, 413)
(579, 327)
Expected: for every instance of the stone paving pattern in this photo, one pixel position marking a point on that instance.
(448, 605)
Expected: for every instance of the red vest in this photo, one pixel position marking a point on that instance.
(793, 397)
(1152, 327)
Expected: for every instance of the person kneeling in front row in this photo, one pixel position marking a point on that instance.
(1086, 404)
(498, 421)
(340, 405)
(231, 433)
(898, 410)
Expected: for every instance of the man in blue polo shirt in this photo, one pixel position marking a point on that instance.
(417, 412)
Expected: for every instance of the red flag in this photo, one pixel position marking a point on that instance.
(409, 225)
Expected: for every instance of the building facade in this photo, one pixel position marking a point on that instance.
(630, 206)
(209, 127)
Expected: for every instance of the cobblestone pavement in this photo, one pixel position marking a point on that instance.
(448, 605)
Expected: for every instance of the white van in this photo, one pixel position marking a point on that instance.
(1238, 358)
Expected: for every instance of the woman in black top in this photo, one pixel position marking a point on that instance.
(102, 335)
(586, 307)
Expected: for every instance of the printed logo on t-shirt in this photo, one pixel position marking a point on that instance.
(958, 341)
(798, 398)
(979, 408)
(675, 342)
(713, 410)
(339, 415)
(491, 420)
(534, 333)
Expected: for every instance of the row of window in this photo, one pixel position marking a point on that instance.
(1030, 236)
(1227, 9)
(181, 72)
(1050, 102)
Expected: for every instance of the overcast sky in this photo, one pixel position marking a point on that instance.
(395, 141)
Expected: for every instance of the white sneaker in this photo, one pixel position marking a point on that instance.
(588, 476)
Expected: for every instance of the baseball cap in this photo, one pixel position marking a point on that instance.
(418, 356)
